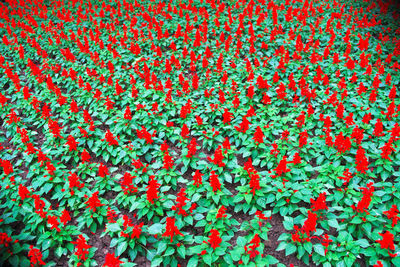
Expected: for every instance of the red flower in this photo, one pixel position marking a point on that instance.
(152, 189)
(52, 220)
(168, 161)
(73, 180)
(128, 113)
(319, 203)
(387, 240)
(218, 157)
(171, 230)
(111, 215)
(74, 106)
(227, 116)
(378, 131)
(303, 138)
(112, 261)
(214, 182)
(55, 128)
(221, 213)
(243, 126)
(197, 178)
(387, 149)
(50, 168)
(85, 157)
(258, 136)
(23, 192)
(392, 214)
(255, 243)
(110, 139)
(7, 166)
(199, 120)
(363, 204)
(226, 144)
(126, 184)
(296, 236)
(282, 167)
(82, 248)
(103, 170)
(35, 256)
(192, 148)
(65, 217)
(214, 238)
(254, 181)
(5, 240)
(361, 160)
(395, 132)
(310, 223)
(137, 230)
(181, 202)
(326, 241)
(296, 158)
(93, 202)
(281, 91)
(342, 143)
(357, 134)
(301, 119)
(185, 131)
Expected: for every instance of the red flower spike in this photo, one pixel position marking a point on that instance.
(361, 160)
(214, 182)
(171, 230)
(387, 240)
(363, 204)
(197, 178)
(35, 256)
(319, 203)
(93, 202)
(214, 239)
(255, 243)
(218, 157)
(82, 248)
(112, 261)
(393, 214)
(310, 223)
(152, 189)
(258, 136)
(221, 213)
(109, 137)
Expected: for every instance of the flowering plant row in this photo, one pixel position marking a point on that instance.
(232, 133)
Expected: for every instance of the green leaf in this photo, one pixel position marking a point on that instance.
(290, 249)
(113, 227)
(193, 262)
(241, 241)
(161, 247)
(308, 247)
(181, 251)
(333, 223)
(319, 249)
(281, 246)
(155, 229)
(121, 248)
(59, 252)
(169, 251)
(272, 259)
(363, 243)
(207, 259)
(156, 261)
(396, 261)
